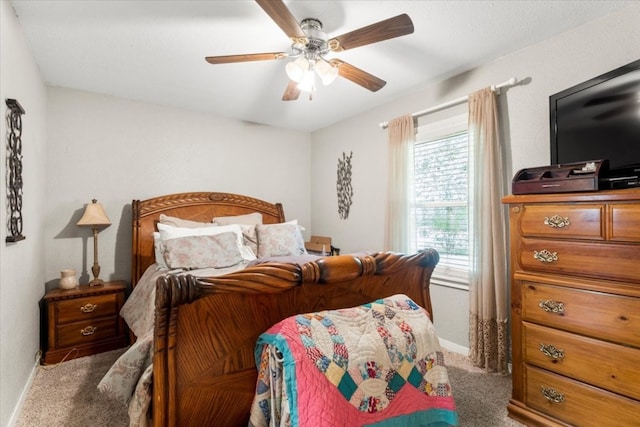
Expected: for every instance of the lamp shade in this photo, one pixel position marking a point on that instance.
(326, 71)
(94, 215)
(297, 69)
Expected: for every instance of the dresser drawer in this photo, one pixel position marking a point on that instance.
(602, 261)
(609, 317)
(625, 222)
(563, 221)
(577, 403)
(86, 308)
(603, 364)
(87, 331)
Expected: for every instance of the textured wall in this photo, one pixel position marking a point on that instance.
(21, 276)
(546, 68)
(116, 150)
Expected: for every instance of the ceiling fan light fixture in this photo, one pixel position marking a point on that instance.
(296, 70)
(308, 83)
(326, 71)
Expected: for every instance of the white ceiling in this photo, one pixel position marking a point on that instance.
(153, 51)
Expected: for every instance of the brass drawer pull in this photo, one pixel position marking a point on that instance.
(545, 256)
(551, 306)
(556, 221)
(552, 395)
(88, 307)
(89, 330)
(551, 351)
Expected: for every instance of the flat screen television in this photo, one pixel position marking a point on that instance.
(599, 119)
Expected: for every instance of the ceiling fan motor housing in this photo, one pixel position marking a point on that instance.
(316, 43)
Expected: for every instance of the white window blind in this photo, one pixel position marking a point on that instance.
(441, 156)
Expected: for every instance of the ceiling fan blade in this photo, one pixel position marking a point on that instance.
(397, 26)
(277, 10)
(227, 59)
(356, 75)
(291, 93)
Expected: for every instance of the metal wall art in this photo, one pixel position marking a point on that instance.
(345, 190)
(14, 171)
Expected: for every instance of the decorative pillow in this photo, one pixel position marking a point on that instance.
(213, 251)
(184, 223)
(158, 250)
(280, 239)
(248, 219)
(168, 232)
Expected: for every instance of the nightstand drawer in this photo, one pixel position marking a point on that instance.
(576, 403)
(86, 332)
(86, 308)
(563, 221)
(595, 314)
(584, 359)
(601, 261)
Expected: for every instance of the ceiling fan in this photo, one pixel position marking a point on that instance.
(310, 46)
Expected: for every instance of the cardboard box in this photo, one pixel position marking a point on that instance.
(319, 244)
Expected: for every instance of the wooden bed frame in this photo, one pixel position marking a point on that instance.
(206, 328)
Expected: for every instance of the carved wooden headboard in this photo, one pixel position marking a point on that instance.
(201, 207)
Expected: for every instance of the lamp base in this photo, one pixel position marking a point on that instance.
(96, 282)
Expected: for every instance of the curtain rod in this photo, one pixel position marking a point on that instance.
(512, 81)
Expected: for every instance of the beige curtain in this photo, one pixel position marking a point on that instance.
(488, 305)
(400, 189)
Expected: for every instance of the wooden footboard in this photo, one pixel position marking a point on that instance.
(206, 328)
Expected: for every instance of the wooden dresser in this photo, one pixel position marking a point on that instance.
(575, 308)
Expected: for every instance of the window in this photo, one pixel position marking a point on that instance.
(441, 189)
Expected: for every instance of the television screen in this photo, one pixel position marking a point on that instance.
(599, 119)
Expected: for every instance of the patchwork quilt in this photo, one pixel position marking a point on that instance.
(378, 365)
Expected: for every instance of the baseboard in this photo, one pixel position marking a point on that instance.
(25, 390)
(453, 347)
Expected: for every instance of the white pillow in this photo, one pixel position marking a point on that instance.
(295, 221)
(168, 232)
(250, 238)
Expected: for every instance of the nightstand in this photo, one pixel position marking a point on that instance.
(83, 321)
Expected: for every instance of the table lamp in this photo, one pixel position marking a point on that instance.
(94, 216)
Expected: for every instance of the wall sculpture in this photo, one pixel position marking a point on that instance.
(14, 171)
(345, 190)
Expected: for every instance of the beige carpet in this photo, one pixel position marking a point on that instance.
(481, 398)
(65, 395)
